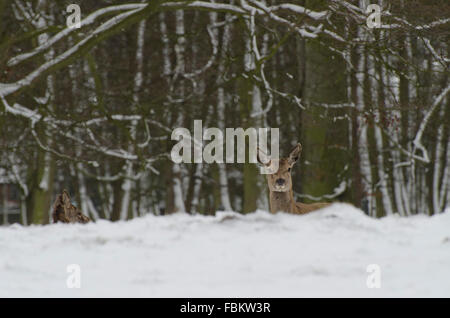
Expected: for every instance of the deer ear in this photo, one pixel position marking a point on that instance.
(65, 198)
(262, 157)
(295, 154)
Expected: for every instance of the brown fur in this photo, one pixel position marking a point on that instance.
(66, 212)
(282, 197)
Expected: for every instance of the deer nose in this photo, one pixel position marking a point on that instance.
(280, 181)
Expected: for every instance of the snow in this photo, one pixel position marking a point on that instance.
(325, 253)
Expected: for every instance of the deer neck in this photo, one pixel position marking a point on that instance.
(282, 201)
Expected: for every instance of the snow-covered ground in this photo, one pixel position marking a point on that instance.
(230, 255)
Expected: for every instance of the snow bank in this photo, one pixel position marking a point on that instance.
(230, 255)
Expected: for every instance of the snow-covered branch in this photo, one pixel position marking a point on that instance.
(340, 189)
(90, 19)
(417, 142)
(6, 89)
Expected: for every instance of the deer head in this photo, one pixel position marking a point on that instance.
(280, 180)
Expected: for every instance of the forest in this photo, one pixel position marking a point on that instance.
(90, 108)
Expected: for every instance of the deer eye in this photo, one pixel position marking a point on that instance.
(289, 169)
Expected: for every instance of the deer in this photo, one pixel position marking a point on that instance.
(281, 195)
(66, 212)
